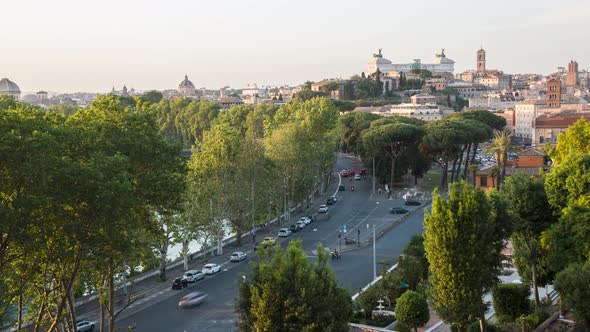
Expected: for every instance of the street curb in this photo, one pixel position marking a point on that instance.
(384, 230)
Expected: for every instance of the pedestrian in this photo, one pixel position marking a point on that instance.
(379, 191)
(253, 238)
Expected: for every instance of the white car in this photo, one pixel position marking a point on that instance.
(357, 177)
(211, 268)
(284, 232)
(323, 209)
(237, 256)
(193, 275)
(301, 224)
(84, 325)
(306, 220)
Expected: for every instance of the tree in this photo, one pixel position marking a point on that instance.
(575, 140)
(462, 243)
(528, 209)
(412, 310)
(286, 292)
(152, 97)
(412, 264)
(511, 301)
(393, 140)
(572, 284)
(500, 147)
(569, 181)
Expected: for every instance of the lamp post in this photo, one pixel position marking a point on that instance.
(374, 256)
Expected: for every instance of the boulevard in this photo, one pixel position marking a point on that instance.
(159, 311)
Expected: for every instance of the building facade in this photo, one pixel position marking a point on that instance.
(553, 93)
(548, 127)
(526, 113)
(572, 74)
(440, 64)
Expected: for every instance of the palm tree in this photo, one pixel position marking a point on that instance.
(494, 173)
(500, 146)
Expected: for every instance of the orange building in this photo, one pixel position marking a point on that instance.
(531, 162)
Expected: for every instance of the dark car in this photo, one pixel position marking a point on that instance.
(294, 228)
(413, 203)
(398, 210)
(330, 201)
(179, 283)
(341, 188)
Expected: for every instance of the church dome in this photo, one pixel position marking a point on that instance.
(9, 87)
(186, 83)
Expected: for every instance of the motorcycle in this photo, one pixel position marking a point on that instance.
(335, 254)
(352, 188)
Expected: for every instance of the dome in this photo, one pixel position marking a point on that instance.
(8, 87)
(186, 83)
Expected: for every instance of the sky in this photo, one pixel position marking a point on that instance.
(83, 45)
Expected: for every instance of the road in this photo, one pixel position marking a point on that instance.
(160, 312)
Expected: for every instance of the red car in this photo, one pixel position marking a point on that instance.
(363, 171)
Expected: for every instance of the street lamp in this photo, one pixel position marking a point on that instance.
(374, 256)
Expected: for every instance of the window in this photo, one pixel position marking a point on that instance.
(483, 181)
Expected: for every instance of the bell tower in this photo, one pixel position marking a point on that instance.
(481, 61)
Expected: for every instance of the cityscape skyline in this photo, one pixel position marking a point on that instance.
(147, 46)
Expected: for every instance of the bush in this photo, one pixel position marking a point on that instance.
(511, 301)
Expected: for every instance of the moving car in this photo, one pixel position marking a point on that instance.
(179, 283)
(193, 276)
(341, 188)
(284, 232)
(398, 210)
(237, 256)
(330, 201)
(412, 202)
(357, 177)
(192, 299)
(211, 268)
(268, 241)
(323, 209)
(294, 228)
(84, 325)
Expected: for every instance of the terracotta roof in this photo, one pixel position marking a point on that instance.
(560, 121)
(531, 153)
(511, 170)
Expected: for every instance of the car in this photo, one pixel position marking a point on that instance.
(357, 177)
(323, 209)
(193, 275)
(334, 198)
(211, 268)
(301, 224)
(284, 232)
(413, 203)
(341, 188)
(268, 241)
(84, 325)
(306, 220)
(294, 228)
(179, 283)
(237, 256)
(330, 201)
(398, 210)
(192, 299)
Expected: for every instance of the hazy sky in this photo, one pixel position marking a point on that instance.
(82, 45)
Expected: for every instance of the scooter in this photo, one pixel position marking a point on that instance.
(352, 188)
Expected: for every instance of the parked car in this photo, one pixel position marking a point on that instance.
(294, 228)
(237, 256)
(357, 177)
(330, 201)
(192, 299)
(341, 188)
(323, 209)
(211, 268)
(301, 224)
(268, 241)
(179, 283)
(84, 325)
(306, 220)
(193, 275)
(414, 203)
(284, 232)
(398, 210)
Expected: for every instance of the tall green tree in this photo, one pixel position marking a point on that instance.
(530, 215)
(572, 283)
(462, 245)
(575, 140)
(286, 292)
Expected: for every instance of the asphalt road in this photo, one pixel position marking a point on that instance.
(160, 312)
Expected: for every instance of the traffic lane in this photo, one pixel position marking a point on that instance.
(355, 269)
(217, 313)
